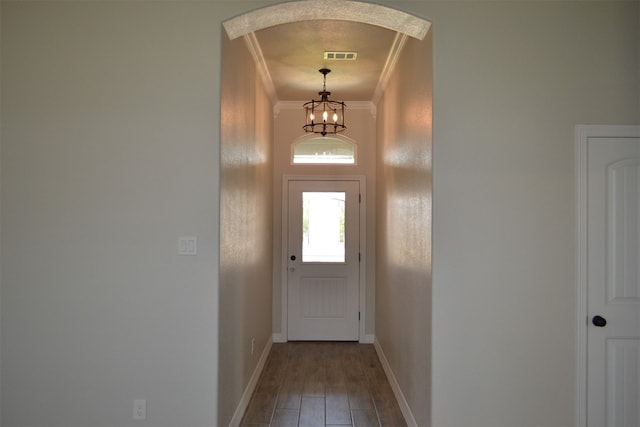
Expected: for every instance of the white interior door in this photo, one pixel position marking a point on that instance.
(323, 260)
(613, 280)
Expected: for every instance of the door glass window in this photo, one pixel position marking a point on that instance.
(323, 226)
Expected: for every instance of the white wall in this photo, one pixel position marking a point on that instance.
(246, 207)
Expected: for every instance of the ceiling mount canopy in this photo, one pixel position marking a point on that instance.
(324, 116)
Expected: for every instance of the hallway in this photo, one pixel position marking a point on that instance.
(323, 384)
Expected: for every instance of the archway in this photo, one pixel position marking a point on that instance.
(408, 27)
(347, 10)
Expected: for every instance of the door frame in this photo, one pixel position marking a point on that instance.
(583, 133)
(361, 179)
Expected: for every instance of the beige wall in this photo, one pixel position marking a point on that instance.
(511, 81)
(404, 193)
(360, 128)
(110, 146)
(246, 207)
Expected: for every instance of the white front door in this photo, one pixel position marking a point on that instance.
(612, 225)
(323, 260)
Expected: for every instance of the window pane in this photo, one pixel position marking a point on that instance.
(324, 150)
(323, 227)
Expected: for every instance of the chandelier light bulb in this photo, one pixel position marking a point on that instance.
(312, 116)
(335, 117)
(325, 116)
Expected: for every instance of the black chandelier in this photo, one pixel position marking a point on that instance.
(324, 116)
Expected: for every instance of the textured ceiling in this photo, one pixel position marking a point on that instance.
(293, 53)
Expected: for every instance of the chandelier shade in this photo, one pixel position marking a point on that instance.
(324, 116)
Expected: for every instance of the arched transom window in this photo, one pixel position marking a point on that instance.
(335, 149)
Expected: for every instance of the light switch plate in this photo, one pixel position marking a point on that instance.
(187, 245)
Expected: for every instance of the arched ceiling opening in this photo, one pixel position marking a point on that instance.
(289, 41)
(340, 10)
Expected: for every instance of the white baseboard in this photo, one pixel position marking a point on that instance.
(279, 338)
(253, 382)
(402, 402)
(368, 339)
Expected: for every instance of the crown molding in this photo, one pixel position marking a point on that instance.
(394, 54)
(256, 52)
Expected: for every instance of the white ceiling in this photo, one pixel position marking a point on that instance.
(293, 53)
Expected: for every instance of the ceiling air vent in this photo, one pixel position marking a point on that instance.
(341, 56)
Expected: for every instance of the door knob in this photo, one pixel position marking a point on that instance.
(599, 321)
(293, 257)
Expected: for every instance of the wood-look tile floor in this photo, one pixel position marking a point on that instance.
(323, 384)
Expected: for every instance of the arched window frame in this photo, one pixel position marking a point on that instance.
(325, 159)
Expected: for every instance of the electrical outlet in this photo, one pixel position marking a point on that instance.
(253, 345)
(139, 409)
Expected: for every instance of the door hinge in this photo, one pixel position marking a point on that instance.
(359, 257)
(359, 198)
(358, 315)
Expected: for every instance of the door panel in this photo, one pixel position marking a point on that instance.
(623, 362)
(613, 282)
(323, 260)
(323, 297)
